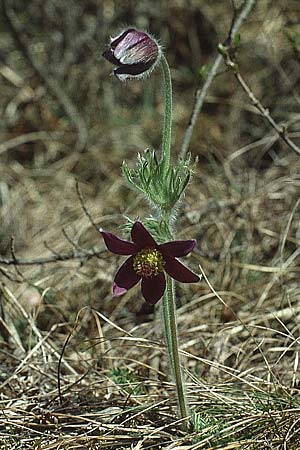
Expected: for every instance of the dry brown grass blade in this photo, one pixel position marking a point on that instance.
(239, 340)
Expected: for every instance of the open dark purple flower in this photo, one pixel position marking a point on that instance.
(148, 261)
(134, 53)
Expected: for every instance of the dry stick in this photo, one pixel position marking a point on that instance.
(10, 277)
(4, 330)
(51, 250)
(85, 210)
(51, 83)
(202, 92)
(88, 254)
(70, 240)
(264, 111)
(28, 137)
(13, 254)
(75, 255)
(61, 357)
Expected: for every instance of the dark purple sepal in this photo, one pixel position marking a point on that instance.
(133, 70)
(117, 40)
(109, 55)
(141, 237)
(180, 272)
(125, 278)
(117, 245)
(177, 248)
(153, 288)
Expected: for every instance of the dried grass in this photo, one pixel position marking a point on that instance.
(239, 328)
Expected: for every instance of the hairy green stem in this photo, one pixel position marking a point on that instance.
(169, 312)
(169, 307)
(166, 144)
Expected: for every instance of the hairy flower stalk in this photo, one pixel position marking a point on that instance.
(169, 305)
(166, 144)
(136, 53)
(169, 311)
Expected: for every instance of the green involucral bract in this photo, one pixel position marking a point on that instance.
(162, 187)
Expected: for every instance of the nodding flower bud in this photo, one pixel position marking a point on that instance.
(135, 54)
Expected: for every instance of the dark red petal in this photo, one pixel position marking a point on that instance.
(132, 69)
(179, 272)
(121, 36)
(177, 248)
(141, 236)
(153, 288)
(117, 245)
(109, 55)
(125, 278)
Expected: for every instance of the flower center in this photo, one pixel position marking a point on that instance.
(148, 262)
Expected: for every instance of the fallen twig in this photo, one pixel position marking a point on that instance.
(280, 129)
(202, 91)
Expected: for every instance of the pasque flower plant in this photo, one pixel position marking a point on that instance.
(153, 261)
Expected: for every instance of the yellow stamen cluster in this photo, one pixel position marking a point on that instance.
(148, 262)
